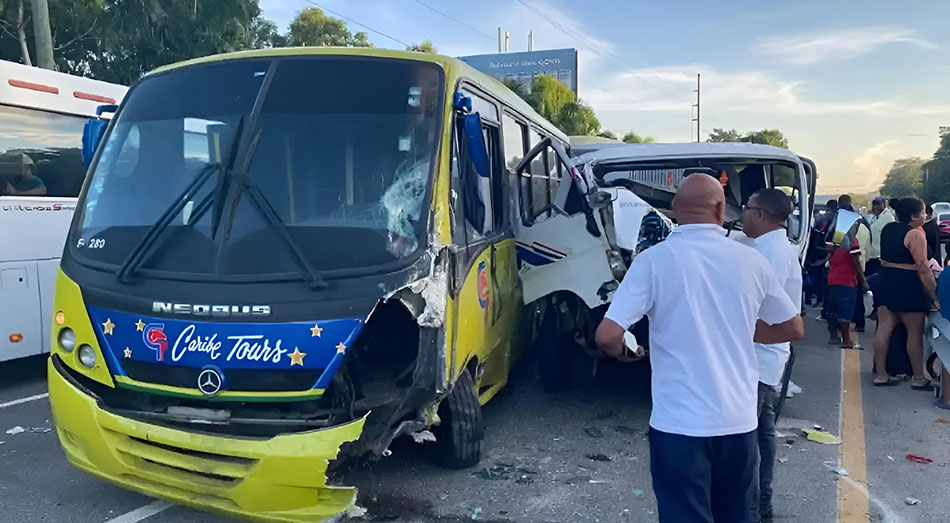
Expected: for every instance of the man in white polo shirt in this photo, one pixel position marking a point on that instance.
(763, 220)
(706, 297)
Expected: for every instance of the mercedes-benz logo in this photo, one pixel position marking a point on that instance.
(209, 382)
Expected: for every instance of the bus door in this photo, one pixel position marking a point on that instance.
(485, 262)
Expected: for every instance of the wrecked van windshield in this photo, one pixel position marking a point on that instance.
(343, 159)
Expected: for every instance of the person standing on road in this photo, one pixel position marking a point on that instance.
(763, 219)
(932, 233)
(883, 216)
(906, 290)
(703, 294)
(863, 237)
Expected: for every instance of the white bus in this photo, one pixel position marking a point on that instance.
(42, 114)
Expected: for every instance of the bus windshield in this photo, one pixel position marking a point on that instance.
(327, 156)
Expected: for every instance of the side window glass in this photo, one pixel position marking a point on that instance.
(785, 178)
(481, 198)
(40, 153)
(540, 204)
(514, 142)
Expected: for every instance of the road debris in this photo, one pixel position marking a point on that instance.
(890, 458)
(942, 420)
(822, 437)
(842, 472)
(637, 492)
(477, 511)
(914, 458)
(16, 430)
(783, 460)
(911, 501)
(422, 436)
(594, 432)
(596, 456)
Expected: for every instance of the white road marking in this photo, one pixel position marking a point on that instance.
(24, 400)
(142, 512)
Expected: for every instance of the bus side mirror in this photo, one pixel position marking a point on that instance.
(91, 136)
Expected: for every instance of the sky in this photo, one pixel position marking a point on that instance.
(853, 84)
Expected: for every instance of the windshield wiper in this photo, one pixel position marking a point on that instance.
(313, 278)
(138, 252)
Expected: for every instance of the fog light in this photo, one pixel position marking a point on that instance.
(60, 318)
(67, 339)
(87, 356)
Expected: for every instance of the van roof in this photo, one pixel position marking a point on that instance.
(661, 151)
(453, 68)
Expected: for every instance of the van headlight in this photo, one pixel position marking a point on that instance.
(67, 339)
(87, 356)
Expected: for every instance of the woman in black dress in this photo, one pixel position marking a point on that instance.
(906, 290)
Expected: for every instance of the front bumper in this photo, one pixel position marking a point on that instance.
(282, 478)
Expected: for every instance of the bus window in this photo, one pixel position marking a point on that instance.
(40, 153)
(540, 203)
(513, 133)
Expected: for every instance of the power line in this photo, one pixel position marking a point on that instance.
(486, 35)
(364, 26)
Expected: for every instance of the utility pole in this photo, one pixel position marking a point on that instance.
(530, 40)
(499, 41)
(696, 105)
(42, 35)
(506, 41)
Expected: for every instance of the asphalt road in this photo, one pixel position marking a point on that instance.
(574, 456)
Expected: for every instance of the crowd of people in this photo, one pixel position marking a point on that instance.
(718, 358)
(894, 253)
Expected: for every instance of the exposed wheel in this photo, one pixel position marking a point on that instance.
(556, 353)
(460, 433)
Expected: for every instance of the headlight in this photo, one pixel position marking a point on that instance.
(87, 356)
(67, 339)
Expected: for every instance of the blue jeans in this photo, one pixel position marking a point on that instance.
(705, 480)
(767, 397)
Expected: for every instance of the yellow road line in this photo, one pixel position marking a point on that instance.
(853, 494)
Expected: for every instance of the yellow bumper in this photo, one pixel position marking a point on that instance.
(277, 479)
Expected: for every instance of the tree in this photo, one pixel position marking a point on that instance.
(607, 133)
(772, 137)
(42, 38)
(577, 119)
(904, 178)
(943, 151)
(548, 96)
(516, 87)
(722, 135)
(264, 34)
(13, 24)
(426, 46)
(312, 27)
(632, 137)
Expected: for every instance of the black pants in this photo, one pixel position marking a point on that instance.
(860, 312)
(767, 397)
(705, 480)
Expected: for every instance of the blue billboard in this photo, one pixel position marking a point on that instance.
(522, 67)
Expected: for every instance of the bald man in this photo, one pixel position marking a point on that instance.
(707, 298)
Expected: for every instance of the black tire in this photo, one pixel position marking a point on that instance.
(459, 435)
(556, 352)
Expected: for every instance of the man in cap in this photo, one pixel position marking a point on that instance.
(27, 183)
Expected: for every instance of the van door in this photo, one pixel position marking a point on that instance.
(794, 181)
(487, 291)
(561, 245)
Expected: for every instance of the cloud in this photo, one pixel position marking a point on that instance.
(826, 46)
(871, 162)
(670, 89)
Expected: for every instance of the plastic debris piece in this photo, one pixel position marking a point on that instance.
(422, 436)
(40, 430)
(596, 456)
(783, 460)
(911, 501)
(356, 512)
(890, 458)
(387, 453)
(477, 511)
(914, 458)
(637, 492)
(16, 430)
(596, 481)
(594, 432)
(820, 436)
(842, 472)
(817, 427)
(942, 420)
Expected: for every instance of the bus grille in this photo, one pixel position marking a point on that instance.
(237, 379)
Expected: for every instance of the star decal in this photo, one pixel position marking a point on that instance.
(341, 348)
(316, 331)
(128, 352)
(296, 357)
(140, 325)
(108, 326)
